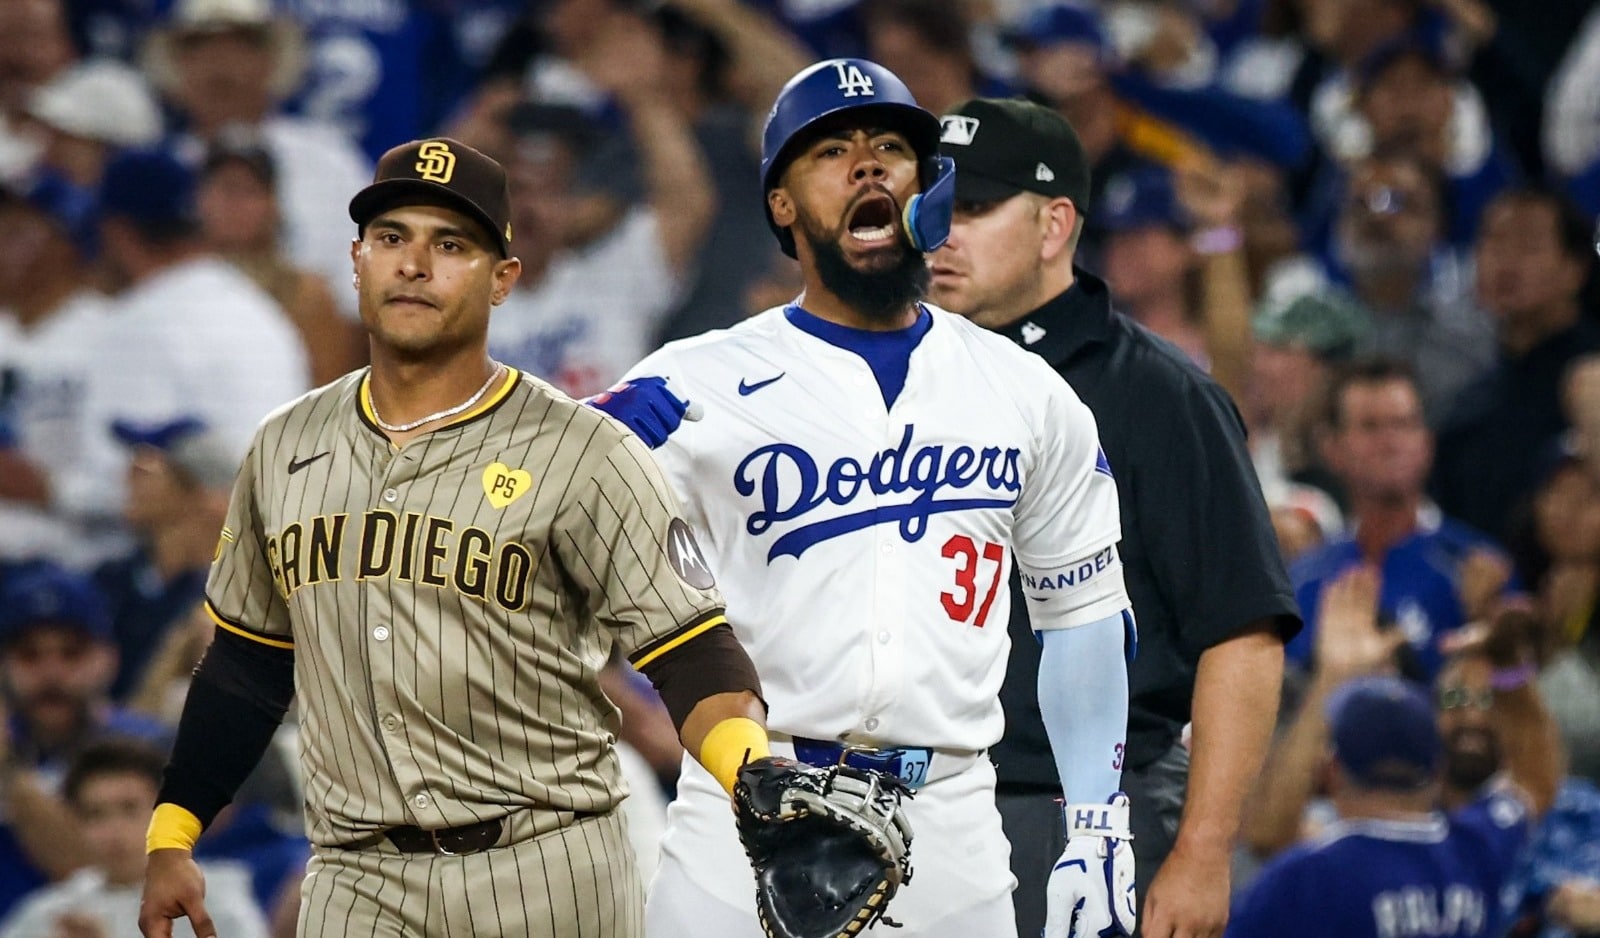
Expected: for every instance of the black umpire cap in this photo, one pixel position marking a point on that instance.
(1006, 146)
(441, 172)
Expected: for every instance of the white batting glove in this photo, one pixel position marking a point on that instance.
(1091, 892)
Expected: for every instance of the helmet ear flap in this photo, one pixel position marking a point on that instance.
(927, 214)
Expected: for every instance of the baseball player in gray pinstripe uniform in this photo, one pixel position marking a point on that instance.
(437, 555)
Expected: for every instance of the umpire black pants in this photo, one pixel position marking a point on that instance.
(1033, 824)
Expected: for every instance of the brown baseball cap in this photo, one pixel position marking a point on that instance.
(443, 172)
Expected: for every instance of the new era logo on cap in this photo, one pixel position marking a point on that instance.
(1042, 173)
(958, 130)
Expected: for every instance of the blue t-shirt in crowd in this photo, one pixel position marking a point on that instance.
(1418, 593)
(18, 875)
(1564, 847)
(387, 71)
(1438, 877)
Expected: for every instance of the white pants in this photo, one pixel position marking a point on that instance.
(961, 877)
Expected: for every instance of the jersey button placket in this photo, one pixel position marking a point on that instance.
(890, 587)
(393, 641)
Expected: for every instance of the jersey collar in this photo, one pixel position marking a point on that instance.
(1072, 321)
(486, 406)
(1426, 829)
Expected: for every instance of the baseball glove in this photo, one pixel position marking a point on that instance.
(830, 847)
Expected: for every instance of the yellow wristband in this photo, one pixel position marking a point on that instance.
(171, 827)
(731, 744)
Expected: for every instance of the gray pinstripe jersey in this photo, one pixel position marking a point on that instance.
(450, 603)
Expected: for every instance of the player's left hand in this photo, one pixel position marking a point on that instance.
(1091, 892)
(174, 888)
(1189, 897)
(645, 406)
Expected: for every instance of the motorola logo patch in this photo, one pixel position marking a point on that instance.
(684, 555)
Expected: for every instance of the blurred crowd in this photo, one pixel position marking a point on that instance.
(1372, 221)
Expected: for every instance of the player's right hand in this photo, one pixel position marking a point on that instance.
(173, 888)
(1091, 891)
(646, 407)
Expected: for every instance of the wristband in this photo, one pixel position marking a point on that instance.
(731, 744)
(171, 828)
(1222, 240)
(1512, 678)
(1103, 819)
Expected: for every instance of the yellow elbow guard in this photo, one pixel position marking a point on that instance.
(171, 827)
(731, 744)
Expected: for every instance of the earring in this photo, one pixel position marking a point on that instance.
(355, 281)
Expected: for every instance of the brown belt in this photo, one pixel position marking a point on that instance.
(454, 841)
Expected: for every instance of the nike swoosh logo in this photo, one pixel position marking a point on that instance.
(746, 389)
(295, 465)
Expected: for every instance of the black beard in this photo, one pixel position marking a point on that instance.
(1467, 771)
(880, 296)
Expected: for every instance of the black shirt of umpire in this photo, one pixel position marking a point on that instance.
(1199, 556)
(1198, 552)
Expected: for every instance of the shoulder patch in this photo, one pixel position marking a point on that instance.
(684, 555)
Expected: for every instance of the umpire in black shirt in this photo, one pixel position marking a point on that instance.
(1213, 602)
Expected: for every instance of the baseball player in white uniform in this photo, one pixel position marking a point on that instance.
(866, 471)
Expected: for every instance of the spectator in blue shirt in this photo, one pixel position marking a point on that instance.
(56, 661)
(1392, 866)
(1436, 574)
(1555, 890)
(179, 477)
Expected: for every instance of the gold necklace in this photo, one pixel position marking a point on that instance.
(448, 412)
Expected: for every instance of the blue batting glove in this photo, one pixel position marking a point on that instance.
(645, 406)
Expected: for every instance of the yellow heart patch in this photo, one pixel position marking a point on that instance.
(504, 484)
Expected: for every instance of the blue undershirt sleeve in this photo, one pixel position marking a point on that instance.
(1083, 698)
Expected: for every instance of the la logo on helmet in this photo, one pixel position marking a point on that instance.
(851, 81)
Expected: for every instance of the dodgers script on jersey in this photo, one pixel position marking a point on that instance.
(865, 551)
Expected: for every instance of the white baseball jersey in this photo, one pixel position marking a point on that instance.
(865, 551)
(46, 374)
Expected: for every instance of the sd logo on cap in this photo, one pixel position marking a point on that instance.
(441, 172)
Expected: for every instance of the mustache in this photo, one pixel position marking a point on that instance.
(53, 697)
(1470, 732)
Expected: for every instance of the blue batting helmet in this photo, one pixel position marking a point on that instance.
(869, 91)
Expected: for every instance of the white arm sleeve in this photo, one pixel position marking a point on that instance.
(1083, 699)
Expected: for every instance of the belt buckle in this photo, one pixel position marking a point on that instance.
(882, 760)
(846, 749)
(438, 846)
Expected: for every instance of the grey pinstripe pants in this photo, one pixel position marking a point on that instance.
(576, 882)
